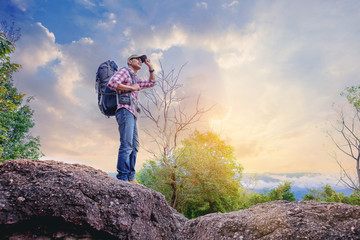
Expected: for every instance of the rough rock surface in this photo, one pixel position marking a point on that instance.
(279, 220)
(54, 200)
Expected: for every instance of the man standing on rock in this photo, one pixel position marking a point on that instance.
(123, 81)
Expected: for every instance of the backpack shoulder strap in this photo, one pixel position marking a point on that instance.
(132, 76)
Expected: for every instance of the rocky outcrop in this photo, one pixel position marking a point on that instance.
(54, 200)
(279, 220)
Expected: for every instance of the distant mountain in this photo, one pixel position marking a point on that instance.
(302, 183)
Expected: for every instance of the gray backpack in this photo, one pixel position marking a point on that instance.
(108, 99)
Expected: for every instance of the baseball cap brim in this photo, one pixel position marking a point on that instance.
(142, 57)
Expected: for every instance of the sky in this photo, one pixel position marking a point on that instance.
(272, 69)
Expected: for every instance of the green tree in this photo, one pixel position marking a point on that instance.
(15, 117)
(327, 194)
(7, 68)
(249, 198)
(281, 192)
(208, 176)
(170, 120)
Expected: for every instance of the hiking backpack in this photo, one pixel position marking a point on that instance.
(109, 99)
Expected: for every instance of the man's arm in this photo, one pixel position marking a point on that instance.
(151, 69)
(133, 87)
(151, 81)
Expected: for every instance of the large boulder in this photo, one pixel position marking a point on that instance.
(54, 200)
(279, 220)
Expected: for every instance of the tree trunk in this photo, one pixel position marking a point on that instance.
(358, 172)
(174, 190)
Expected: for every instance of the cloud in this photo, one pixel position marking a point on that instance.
(72, 66)
(87, 3)
(21, 4)
(202, 4)
(84, 40)
(231, 47)
(62, 79)
(39, 50)
(109, 23)
(231, 4)
(156, 39)
(272, 68)
(298, 180)
(68, 74)
(281, 90)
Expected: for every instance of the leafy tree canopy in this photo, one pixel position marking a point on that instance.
(327, 194)
(7, 68)
(281, 192)
(15, 117)
(208, 176)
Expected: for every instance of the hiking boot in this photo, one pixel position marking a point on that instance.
(134, 181)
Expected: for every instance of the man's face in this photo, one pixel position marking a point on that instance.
(136, 63)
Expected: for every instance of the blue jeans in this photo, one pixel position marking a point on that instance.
(129, 144)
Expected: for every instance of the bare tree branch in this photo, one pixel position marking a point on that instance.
(13, 33)
(347, 128)
(165, 108)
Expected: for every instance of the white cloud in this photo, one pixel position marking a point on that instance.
(305, 180)
(276, 69)
(108, 23)
(67, 75)
(21, 4)
(156, 39)
(233, 48)
(72, 69)
(37, 49)
(231, 4)
(230, 47)
(84, 41)
(87, 3)
(127, 31)
(56, 112)
(168, 38)
(156, 58)
(202, 4)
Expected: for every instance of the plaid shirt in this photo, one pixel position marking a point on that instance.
(123, 77)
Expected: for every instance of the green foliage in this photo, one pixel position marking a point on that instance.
(327, 194)
(6, 70)
(15, 118)
(281, 192)
(204, 173)
(154, 176)
(353, 96)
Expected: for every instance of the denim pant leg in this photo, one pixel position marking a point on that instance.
(133, 154)
(128, 145)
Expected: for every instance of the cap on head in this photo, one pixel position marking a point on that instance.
(142, 57)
